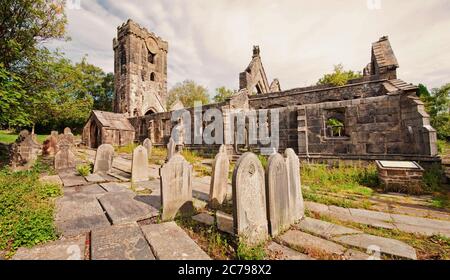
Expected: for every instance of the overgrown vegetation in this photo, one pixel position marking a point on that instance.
(246, 252)
(127, 149)
(26, 208)
(339, 77)
(84, 169)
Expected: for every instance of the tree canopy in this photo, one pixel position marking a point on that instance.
(339, 77)
(437, 105)
(187, 92)
(222, 94)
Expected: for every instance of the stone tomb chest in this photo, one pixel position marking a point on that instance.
(400, 176)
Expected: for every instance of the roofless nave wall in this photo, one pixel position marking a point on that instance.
(379, 115)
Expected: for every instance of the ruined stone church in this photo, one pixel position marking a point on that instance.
(378, 116)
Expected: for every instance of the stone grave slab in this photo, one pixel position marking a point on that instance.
(64, 249)
(93, 190)
(53, 179)
(303, 241)
(224, 222)
(324, 229)
(281, 252)
(120, 242)
(204, 218)
(120, 175)
(79, 214)
(398, 164)
(115, 187)
(72, 181)
(385, 245)
(355, 255)
(170, 242)
(122, 207)
(95, 178)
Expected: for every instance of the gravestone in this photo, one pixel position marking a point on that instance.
(296, 205)
(148, 145)
(139, 165)
(219, 179)
(171, 149)
(65, 140)
(104, 159)
(277, 194)
(50, 147)
(64, 158)
(25, 150)
(249, 200)
(67, 130)
(176, 187)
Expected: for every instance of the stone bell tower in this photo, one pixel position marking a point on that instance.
(140, 71)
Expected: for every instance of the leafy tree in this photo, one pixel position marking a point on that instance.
(437, 105)
(12, 96)
(222, 94)
(187, 92)
(104, 100)
(24, 24)
(339, 77)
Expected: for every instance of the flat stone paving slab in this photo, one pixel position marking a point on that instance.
(73, 180)
(120, 175)
(123, 207)
(281, 252)
(303, 241)
(120, 242)
(386, 246)
(63, 249)
(170, 242)
(115, 187)
(324, 229)
(79, 214)
(93, 190)
(95, 178)
(355, 255)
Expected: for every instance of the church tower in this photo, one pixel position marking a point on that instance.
(140, 71)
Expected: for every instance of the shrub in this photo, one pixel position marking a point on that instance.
(84, 169)
(432, 178)
(246, 252)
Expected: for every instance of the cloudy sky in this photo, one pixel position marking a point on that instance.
(210, 41)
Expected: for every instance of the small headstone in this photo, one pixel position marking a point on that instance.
(249, 200)
(50, 147)
(67, 130)
(64, 159)
(104, 159)
(171, 149)
(148, 145)
(219, 179)
(139, 165)
(65, 140)
(176, 187)
(25, 150)
(296, 205)
(277, 192)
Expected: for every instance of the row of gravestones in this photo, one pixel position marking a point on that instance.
(264, 201)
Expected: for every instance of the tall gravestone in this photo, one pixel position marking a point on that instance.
(277, 194)
(64, 158)
(171, 149)
(176, 187)
(296, 205)
(149, 146)
(219, 179)
(249, 200)
(104, 159)
(50, 147)
(25, 150)
(139, 165)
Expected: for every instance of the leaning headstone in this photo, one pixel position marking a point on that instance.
(249, 200)
(176, 187)
(171, 149)
(148, 145)
(296, 205)
(64, 158)
(104, 159)
(277, 192)
(139, 165)
(219, 179)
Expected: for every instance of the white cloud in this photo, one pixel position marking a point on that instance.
(211, 41)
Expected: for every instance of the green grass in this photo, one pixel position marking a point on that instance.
(84, 169)
(8, 137)
(128, 149)
(26, 209)
(443, 147)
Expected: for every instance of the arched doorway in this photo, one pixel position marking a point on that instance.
(150, 112)
(94, 135)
